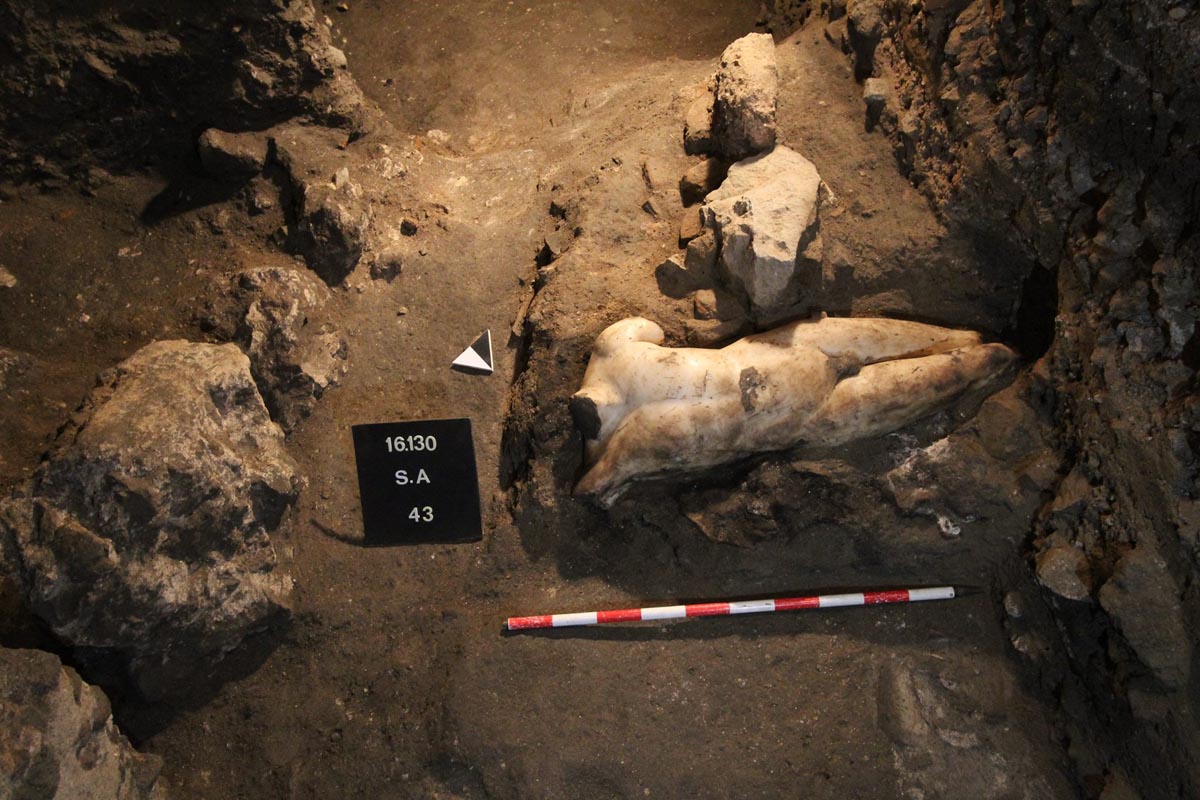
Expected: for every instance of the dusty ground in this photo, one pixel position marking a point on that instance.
(393, 680)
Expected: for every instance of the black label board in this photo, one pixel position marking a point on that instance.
(417, 482)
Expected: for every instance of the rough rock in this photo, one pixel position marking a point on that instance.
(7, 279)
(743, 121)
(1143, 600)
(295, 352)
(145, 532)
(58, 740)
(1064, 570)
(1014, 124)
(690, 225)
(996, 466)
(702, 178)
(716, 304)
(330, 231)
(697, 125)
(657, 174)
(864, 27)
(387, 264)
(328, 217)
(232, 155)
(876, 92)
(121, 90)
(764, 216)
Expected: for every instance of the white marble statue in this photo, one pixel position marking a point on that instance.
(647, 410)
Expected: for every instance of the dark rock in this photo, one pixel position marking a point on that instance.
(876, 92)
(232, 156)
(58, 740)
(864, 28)
(710, 333)
(145, 532)
(330, 232)
(327, 223)
(387, 264)
(17, 623)
(701, 179)
(1143, 600)
(295, 352)
(716, 304)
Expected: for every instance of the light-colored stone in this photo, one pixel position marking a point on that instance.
(7, 279)
(145, 532)
(765, 217)
(1143, 600)
(1064, 570)
(743, 121)
(58, 740)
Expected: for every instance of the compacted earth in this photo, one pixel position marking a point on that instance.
(516, 167)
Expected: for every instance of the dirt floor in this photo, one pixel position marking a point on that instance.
(393, 679)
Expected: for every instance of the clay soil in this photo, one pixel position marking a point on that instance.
(393, 678)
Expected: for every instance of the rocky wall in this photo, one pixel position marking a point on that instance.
(88, 87)
(1071, 130)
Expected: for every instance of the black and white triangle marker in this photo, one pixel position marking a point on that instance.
(476, 359)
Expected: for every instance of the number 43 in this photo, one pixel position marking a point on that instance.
(421, 514)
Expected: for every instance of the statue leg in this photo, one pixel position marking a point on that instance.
(888, 395)
(868, 341)
(658, 438)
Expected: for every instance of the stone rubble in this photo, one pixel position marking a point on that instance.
(328, 217)
(145, 532)
(295, 353)
(58, 740)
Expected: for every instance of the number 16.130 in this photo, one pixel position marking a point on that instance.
(411, 444)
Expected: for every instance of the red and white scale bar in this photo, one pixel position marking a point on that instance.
(730, 608)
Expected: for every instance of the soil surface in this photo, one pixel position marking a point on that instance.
(393, 679)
